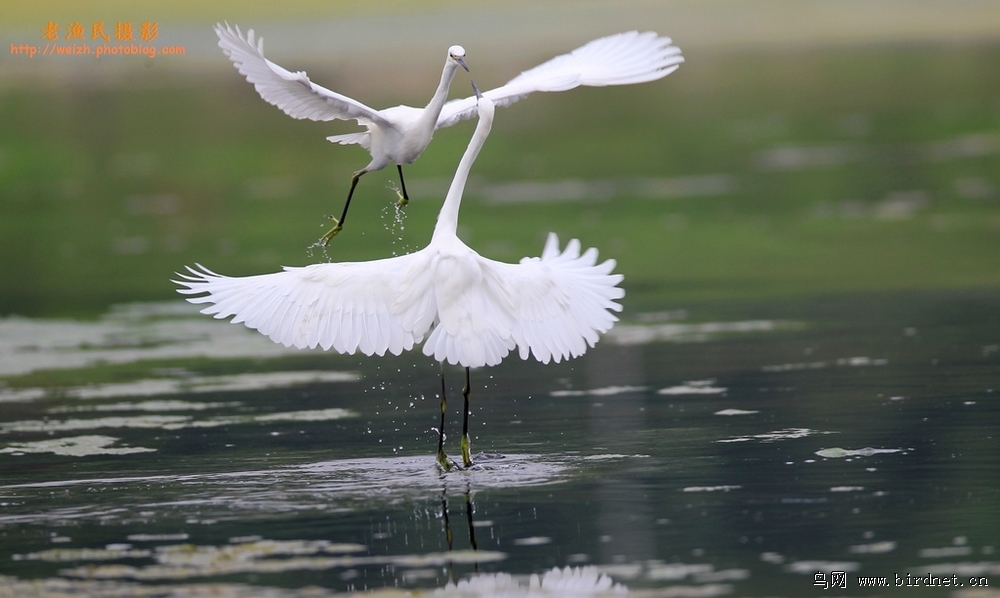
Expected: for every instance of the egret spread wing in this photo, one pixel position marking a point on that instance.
(561, 301)
(292, 92)
(620, 59)
(344, 306)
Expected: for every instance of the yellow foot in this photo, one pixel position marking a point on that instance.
(325, 239)
(445, 463)
(402, 201)
(466, 452)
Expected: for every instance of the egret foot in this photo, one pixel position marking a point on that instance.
(404, 197)
(325, 239)
(445, 463)
(466, 453)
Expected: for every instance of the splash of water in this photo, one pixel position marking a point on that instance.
(318, 245)
(394, 221)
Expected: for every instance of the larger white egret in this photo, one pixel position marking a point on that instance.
(402, 133)
(472, 310)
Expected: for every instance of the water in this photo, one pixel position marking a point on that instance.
(744, 450)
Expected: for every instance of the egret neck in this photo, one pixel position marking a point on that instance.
(433, 109)
(447, 222)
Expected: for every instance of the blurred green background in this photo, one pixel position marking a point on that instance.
(803, 148)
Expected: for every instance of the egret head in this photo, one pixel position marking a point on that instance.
(457, 53)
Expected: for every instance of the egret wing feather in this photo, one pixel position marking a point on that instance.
(561, 302)
(362, 138)
(350, 306)
(293, 93)
(621, 59)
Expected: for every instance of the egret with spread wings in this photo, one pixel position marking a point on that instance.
(400, 134)
(466, 309)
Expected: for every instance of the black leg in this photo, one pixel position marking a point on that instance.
(406, 198)
(442, 458)
(350, 194)
(466, 445)
(339, 224)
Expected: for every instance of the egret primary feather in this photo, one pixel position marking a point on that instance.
(621, 59)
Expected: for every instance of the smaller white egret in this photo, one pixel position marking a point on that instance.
(397, 135)
(472, 310)
(402, 133)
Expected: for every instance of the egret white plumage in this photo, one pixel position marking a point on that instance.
(471, 310)
(400, 134)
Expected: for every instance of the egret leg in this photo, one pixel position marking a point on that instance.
(338, 225)
(405, 199)
(443, 461)
(466, 447)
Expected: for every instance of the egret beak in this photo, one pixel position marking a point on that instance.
(476, 89)
(461, 61)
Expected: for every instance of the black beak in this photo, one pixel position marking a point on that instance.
(461, 61)
(476, 89)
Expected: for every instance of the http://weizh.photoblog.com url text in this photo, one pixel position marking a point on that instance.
(97, 39)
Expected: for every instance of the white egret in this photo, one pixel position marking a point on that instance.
(471, 310)
(400, 134)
